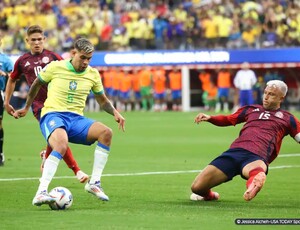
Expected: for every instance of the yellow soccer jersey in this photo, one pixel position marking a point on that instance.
(68, 89)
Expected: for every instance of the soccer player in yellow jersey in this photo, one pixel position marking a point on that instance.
(62, 120)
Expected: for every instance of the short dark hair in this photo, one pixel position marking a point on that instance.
(34, 29)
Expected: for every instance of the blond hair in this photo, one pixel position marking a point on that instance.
(278, 84)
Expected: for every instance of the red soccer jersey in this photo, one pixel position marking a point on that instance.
(263, 131)
(30, 65)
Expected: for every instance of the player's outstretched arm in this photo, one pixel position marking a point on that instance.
(107, 106)
(10, 87)
(33, 91)
(201, 117)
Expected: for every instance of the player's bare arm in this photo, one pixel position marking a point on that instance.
(107, 106)
(201, 117)
(4, 74)
(10, 87)
(33, 91)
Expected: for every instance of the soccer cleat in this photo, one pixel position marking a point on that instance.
(196, 197)
(82, 177)
(42, 198)
(255, 186)
(43, 156)
(96, 190)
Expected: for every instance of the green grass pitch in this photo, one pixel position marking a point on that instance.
(148, 176)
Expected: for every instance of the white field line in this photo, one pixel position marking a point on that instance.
(289, 155)
(138, 174)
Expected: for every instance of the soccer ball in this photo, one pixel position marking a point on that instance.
(63, 197)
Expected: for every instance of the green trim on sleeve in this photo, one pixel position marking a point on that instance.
(99, 93)
(39, 77)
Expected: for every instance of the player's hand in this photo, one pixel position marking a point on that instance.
(9, 109)
(120, 119)
(201, 117)
(2, 73)
(20, 113)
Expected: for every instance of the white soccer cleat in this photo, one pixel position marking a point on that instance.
(196, 197)
(96, 190)
(42, 198)
(82, 177)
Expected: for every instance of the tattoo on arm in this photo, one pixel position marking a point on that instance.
(33, 91)
(108, 107)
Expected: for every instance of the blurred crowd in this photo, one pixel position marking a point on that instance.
(123, 25)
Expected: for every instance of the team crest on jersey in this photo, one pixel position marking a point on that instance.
(279, 114)
(45, 60)
(73, 85)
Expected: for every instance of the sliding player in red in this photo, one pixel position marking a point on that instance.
(256, 147)
(30, 64)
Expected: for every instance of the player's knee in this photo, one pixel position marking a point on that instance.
(64, 149)
(195, 187)
(61, 148)
(106, 135)
(200, 185)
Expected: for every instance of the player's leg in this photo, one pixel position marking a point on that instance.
(144, 98)
(59, 141)
(70, 161)
(103, 134)
(2, 159)
(255, 172)
(226, 96)
(219, 101)
(72, 164)
(210, 177)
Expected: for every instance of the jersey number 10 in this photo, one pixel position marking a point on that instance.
(37, 70)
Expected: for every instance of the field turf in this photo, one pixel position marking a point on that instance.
(148, 176)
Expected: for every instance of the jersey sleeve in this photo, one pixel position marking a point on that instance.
(16, 73)
(56, 57)
(295, 128)
(8, 65)
(232, 119)
(47, 72)
(98, 86)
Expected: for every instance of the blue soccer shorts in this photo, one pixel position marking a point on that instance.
(223, 92)
(232, 161)
(159, 95)
(76, 126)
(124, 95)
(176, 94)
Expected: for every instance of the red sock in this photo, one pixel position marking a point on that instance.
(70, 161)
(68, 158)
(48, 151)
(252, 174)
(210, 195)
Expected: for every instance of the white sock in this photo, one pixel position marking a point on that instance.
(100, 159)
(226, 107)
(218, 107)
(49, 171)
